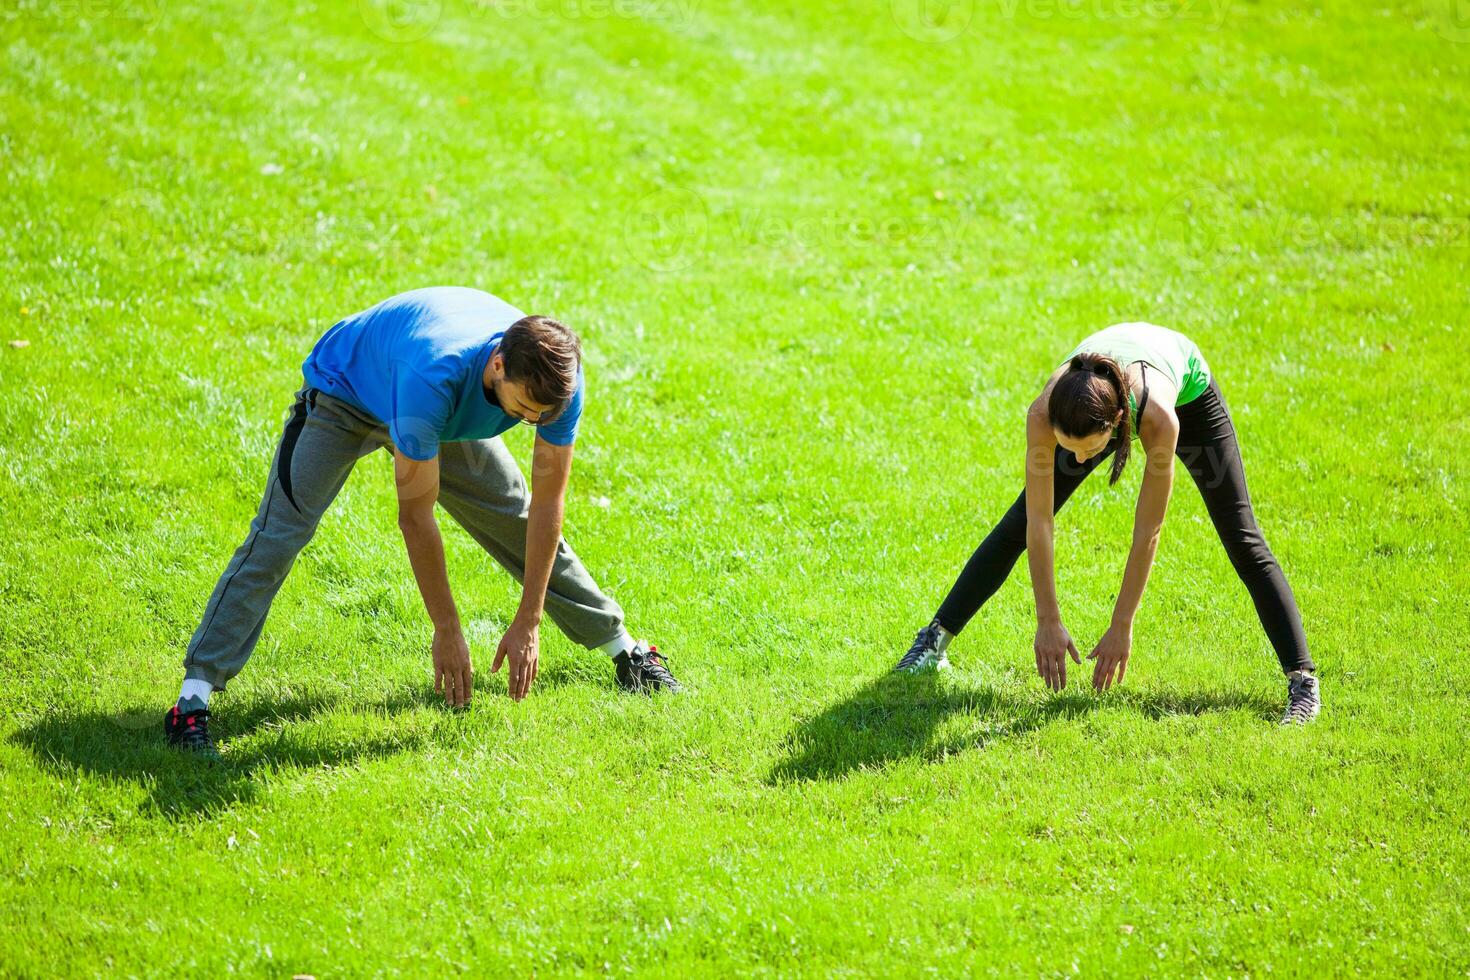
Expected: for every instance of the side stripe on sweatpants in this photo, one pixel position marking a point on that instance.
(288, 444)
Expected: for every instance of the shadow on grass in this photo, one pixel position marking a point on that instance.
(259, 737)
(895, 716)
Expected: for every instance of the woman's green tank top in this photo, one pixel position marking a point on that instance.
(1166, 351)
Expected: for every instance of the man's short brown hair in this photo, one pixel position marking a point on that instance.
(544, 355)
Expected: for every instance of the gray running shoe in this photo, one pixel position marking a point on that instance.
(642, 670)
(1303, 700)
(925, 654)
(188, 731)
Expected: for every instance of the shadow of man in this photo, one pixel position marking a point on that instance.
(895, 717)
(128, 745)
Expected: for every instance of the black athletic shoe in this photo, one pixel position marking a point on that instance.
(1303, 700)
(188, 731)
(924, 654)
(641, 669)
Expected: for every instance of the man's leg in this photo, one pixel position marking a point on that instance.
(322, 439)
(483, 490)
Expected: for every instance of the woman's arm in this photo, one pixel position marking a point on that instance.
(1159, 434)
(1053, 642)
(1041, 446)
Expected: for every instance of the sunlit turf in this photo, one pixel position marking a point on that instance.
(821, 257)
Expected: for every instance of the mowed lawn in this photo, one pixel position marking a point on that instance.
(822, 257)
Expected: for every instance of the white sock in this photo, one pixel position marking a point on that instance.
(944, 637)
(616, 646)
(195, 688)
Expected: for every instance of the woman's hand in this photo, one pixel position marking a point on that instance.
(1111, 656)
(1053, 643)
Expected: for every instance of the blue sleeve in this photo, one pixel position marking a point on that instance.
(563, 431)
(420, 412)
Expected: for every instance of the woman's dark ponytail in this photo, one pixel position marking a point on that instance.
(1090, 397)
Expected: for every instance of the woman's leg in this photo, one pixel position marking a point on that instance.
(992, 562)
(1209, 450)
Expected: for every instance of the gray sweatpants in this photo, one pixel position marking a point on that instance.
(479, 485)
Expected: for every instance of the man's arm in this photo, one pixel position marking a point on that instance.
(551, 468)
(418, 489)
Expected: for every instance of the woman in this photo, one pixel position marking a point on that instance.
(1130, 381)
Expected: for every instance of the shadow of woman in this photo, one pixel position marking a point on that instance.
(895, 717)
(128, 745)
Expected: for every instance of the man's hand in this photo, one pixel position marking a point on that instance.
(418, 488)
(522, 645)
(453, 672)
(1111, 655)
(1053, 643)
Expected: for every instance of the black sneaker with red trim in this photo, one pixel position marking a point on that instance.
(188, 731)
(642, 669)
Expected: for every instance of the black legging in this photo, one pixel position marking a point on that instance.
(1208, 449)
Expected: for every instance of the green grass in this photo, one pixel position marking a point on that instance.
(820, 266)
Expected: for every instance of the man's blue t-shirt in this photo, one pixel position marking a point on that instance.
(417, 362)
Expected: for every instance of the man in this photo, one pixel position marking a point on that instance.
(433, 376)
